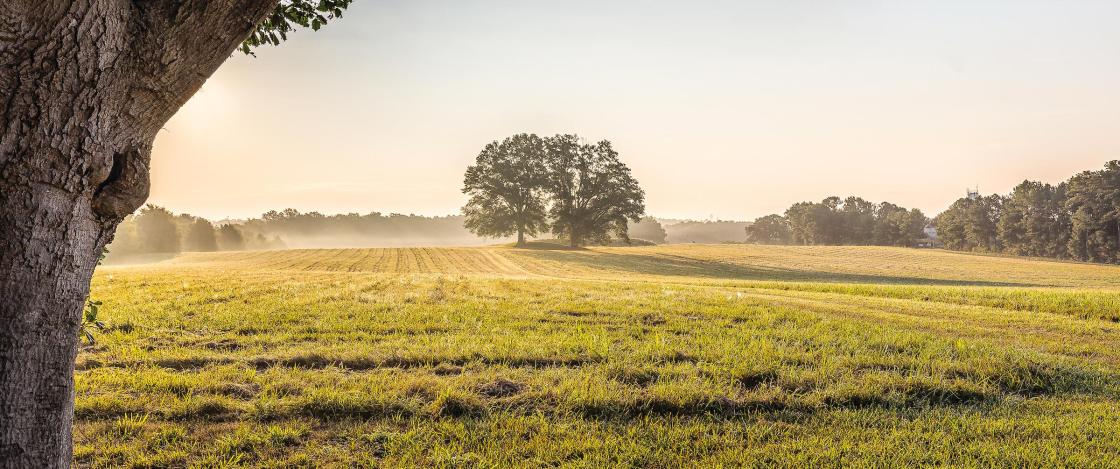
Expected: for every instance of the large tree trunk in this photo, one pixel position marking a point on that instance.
(84, 87)
(48, 247)
(520, 236)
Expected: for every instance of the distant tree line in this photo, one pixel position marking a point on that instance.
(155, 230)
(836, 221)
(353, 229)
(1078, 219)
(526, 184)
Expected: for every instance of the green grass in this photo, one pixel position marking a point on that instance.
(647, 356)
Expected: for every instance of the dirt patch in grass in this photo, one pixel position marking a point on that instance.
(500, 387)
(756, 379)
(634, 376)
(446, 369)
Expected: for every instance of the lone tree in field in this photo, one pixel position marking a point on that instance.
(506, 187)
(593, 193)
(85, 86)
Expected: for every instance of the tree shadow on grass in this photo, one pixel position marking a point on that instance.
(679, 266)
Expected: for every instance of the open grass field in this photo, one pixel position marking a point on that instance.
(664, 356)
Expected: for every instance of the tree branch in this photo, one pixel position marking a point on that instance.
(177, 45)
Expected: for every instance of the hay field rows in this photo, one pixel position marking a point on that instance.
(661, 356)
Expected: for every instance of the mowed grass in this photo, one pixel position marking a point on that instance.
(661, 356)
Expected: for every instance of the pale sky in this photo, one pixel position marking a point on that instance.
(732, 109)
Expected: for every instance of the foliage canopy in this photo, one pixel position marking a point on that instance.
(588, 193)
(592, 191)
(289, 15)
(506, 188)
(1078, 219)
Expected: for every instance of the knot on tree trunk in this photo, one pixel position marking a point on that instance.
(126, 186)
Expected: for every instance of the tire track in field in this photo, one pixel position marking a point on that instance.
(503, 264)
(414, 261)
(356, 266)
(453, 257)
(263, 261)
(276, 262)
(430, 264)
(377, 263)
(316, 259)
(529, 266)
(400, 261)
(458, 263)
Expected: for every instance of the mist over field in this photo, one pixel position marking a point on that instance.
(350, 231)
(156, 234)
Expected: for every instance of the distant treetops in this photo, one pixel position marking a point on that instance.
(526, 184)
(1078, 219)
(155, 230)
(836, 221)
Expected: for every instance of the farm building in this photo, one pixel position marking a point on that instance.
(930, 240)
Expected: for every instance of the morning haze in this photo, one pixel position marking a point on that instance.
(748, 105)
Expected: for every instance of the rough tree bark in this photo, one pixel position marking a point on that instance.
(84, 87)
